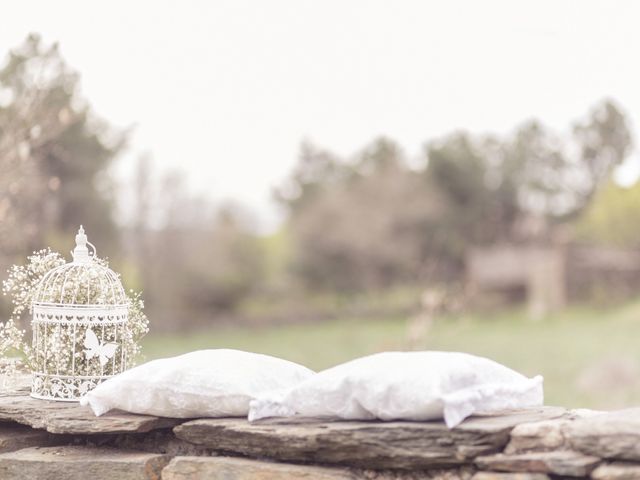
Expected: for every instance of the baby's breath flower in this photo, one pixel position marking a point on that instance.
(23, 286)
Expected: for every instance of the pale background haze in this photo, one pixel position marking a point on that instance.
(219, 89)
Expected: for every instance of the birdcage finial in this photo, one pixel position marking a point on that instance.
(81, 252)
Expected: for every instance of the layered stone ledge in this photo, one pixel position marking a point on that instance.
(51, 440)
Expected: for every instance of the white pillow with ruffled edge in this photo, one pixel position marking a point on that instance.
(405, 386)
(204, 383)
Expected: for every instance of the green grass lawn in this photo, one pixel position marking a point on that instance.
(589, 358)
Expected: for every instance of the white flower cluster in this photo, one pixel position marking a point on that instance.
(23, 286)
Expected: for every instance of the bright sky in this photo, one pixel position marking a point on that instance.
(226, 90)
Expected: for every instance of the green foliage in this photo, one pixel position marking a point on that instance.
(54, 154)
(612, 218)
(604, 140)
(54, 157)
(482, 200)
(494, 184)
(360, 225)
(371, 221)
(226, 269)
(192, 271)
(317, 172)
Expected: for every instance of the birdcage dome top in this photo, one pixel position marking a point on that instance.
(85, 281)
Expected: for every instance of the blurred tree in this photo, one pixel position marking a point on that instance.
(316, 172)
(370, 221)
(53, 154)
(539, 172)
(611, 219)
(229, 264)
(604, 141)
(496, 187)
(557, 179)
(364, 225)
(479, 186)
(195, 262)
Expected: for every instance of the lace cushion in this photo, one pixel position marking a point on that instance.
(204, 383)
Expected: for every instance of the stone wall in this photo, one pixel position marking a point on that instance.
(48, 440)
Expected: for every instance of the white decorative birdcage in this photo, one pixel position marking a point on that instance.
(80, 314)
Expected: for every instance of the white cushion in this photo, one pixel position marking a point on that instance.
(205, 383)
(405, 386)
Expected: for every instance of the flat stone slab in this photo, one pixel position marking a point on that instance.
(613, 435)
(375, 445)
(229, 468)
(561, 462)
(509, 476)
(71, 418)
(617, 471)
(233, 468)
(537, 436)
(80, 463)
(545, 435)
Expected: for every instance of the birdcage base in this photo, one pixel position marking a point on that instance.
(43, 397)
(63, 388)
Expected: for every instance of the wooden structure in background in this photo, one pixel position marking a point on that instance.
(549, 276)
(539, 271)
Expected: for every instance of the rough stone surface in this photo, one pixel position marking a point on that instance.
(463, 473)
(613, 435)
(536, 436)
(560, 462)
(390, 445)
(80, 463)
(233, 468)
(158, 441)
(14, 437)
(547, 434)
(509, 476)
(617, 471)
(229, 468)
(71, 418)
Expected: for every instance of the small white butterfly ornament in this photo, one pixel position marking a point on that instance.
(95, 348)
